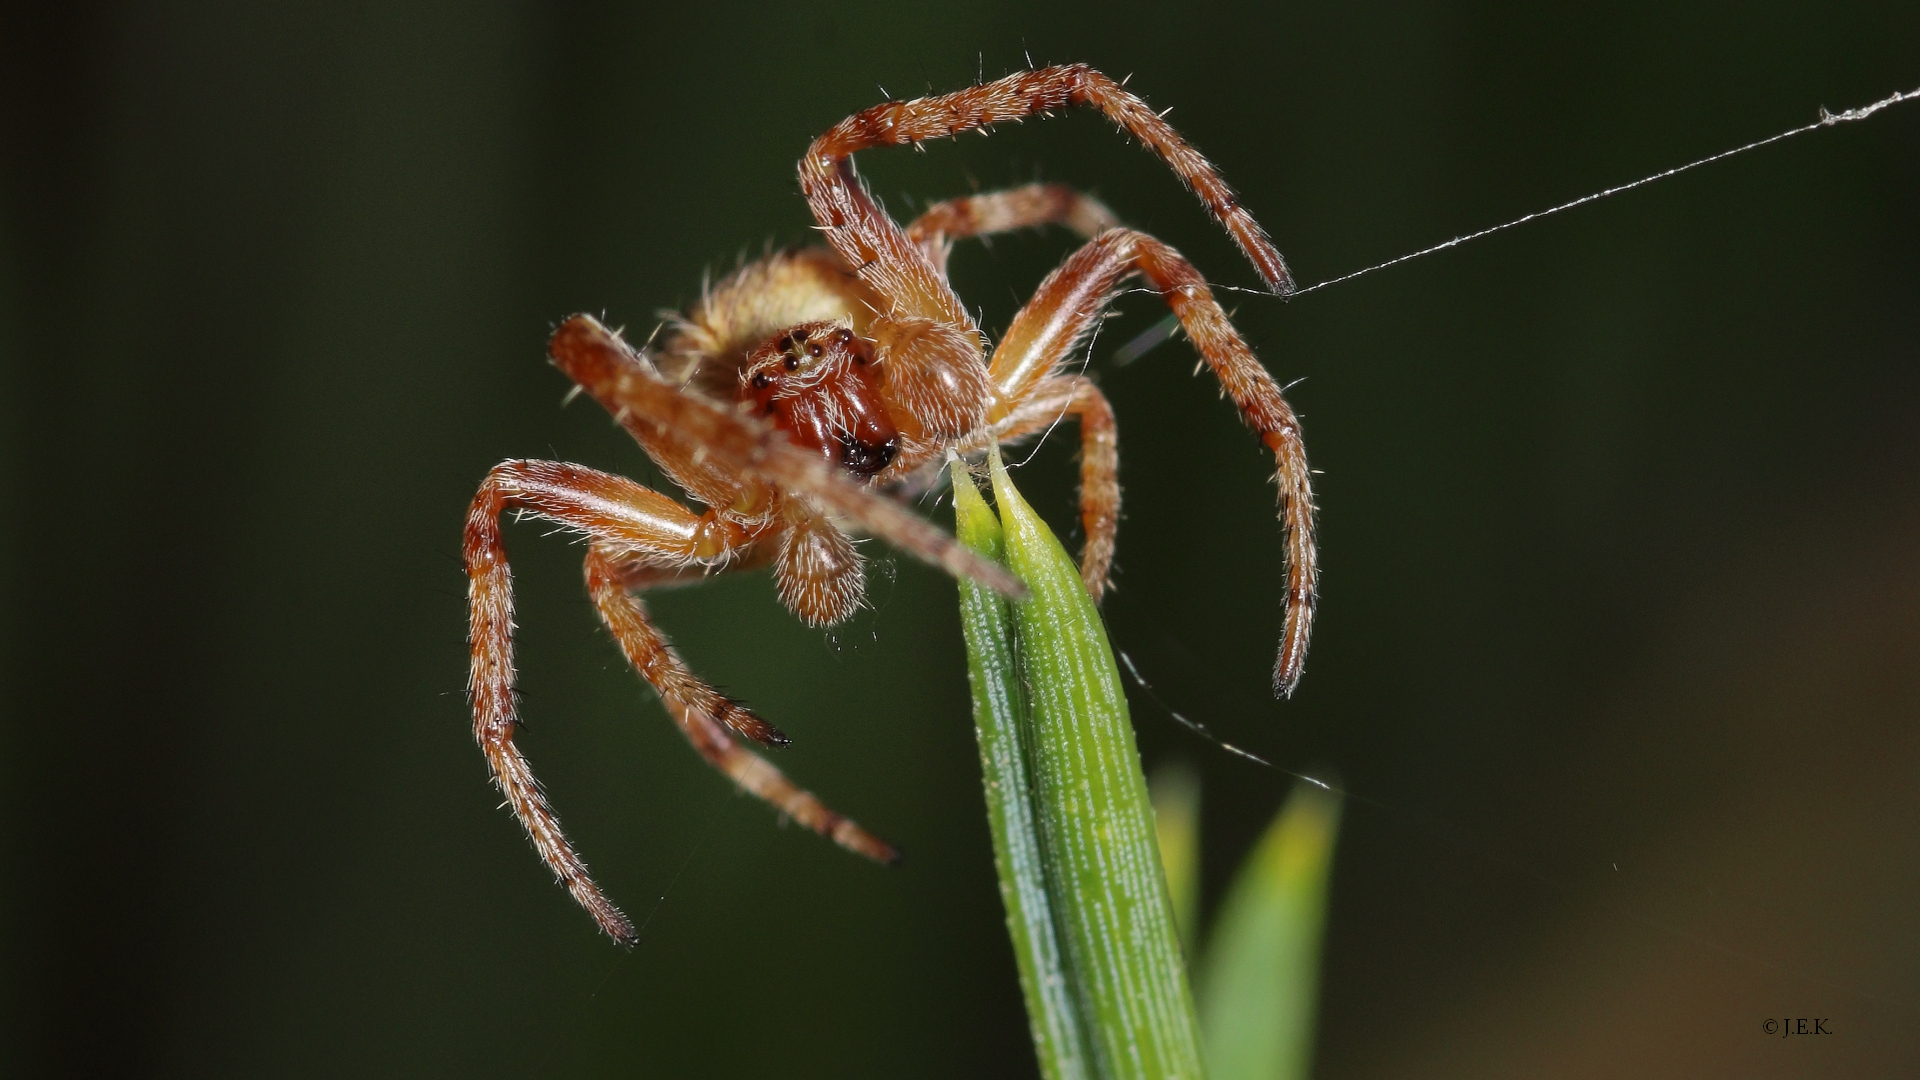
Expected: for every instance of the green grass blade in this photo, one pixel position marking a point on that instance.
(1095, 823)
(1259, 988)
(999, 715)
(1176, 819)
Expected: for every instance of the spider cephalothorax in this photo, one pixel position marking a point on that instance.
(820, 384)
(809, 389)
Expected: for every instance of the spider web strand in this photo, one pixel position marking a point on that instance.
(1153, 336)
(1826, 120)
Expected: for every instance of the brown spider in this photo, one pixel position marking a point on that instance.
(802, 393)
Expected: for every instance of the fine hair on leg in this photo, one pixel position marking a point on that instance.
(1025, 207)
(1064, 309)
(612, 588)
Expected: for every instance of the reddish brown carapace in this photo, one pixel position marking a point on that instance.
(805, 392)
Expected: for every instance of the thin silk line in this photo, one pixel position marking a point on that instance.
(1827, 120)
(1452, 835)
(1154, 335)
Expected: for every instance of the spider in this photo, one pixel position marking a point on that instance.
(809, 391)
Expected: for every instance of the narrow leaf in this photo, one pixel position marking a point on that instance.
(999, 714)
(1095, 823)
(1259, 988)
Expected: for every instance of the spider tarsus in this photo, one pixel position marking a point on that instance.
(848, 834)
(615, 924)
(748, 725)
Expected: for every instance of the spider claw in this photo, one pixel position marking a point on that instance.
(613, 922)
(743, 722)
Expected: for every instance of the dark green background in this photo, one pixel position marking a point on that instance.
(1620, 639)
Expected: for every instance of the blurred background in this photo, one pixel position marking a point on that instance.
(1619, 650)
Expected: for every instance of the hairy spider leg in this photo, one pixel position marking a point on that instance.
(1066, 306)
(1022, 207)
(899, 270)
(658, 414)
(613, 585)
(1028, 206)
(1047, 404)
(624, 517)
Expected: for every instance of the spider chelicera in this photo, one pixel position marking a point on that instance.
(806, 392)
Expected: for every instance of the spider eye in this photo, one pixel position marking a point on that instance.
(815, 351)
(792, 363)
(761, 381)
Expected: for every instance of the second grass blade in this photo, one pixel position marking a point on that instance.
(1260, 985)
